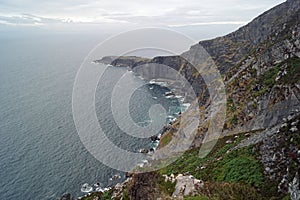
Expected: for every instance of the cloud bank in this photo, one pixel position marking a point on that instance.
(170, 13)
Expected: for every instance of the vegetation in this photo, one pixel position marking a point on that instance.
(260, 92)
(197, 198)
(103, 196)
(292, 67)
(229, 173)
(268, 78)
(165, 139)
(167, 187)
(235, 166)
(106, 195)
(231, 191)
(93, 196)
(293, 71)
(240, 166)
(234, 119)
(125, 195)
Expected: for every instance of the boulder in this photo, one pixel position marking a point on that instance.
(144, 151)
(66, 197)
(187, 186)
(294, 188)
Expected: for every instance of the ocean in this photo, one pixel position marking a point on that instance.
(41, 154)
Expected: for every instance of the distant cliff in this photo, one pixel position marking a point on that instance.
(229, 50)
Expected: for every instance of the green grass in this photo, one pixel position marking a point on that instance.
(125, 195)
(240, 166)
(227, 191)
(230, 105)
(293, 71)
(234, 119)
(234, 174)
(232, 191)
(214, 169)
(167, 187)
(260, 92)
(197, 198)
(106, 195)
(292, 76)
(269, 76)
(103, 196)
(287, 197)
(165, 139)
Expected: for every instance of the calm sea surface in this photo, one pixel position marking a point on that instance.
(41, 155)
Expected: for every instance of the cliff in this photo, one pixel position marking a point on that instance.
(258, 156)
(229, 50)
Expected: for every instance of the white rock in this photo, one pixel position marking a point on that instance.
(187, 186)
(284, 119)
(294, 129)
(228, 141)
(290, 117)
(294, 188)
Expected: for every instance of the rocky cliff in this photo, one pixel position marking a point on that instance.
(258, 156)
(229, 50)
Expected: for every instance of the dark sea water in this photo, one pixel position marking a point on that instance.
(41, 155)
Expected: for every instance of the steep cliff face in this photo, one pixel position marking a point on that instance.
(260, 63)
(229, 50)
(264, 87)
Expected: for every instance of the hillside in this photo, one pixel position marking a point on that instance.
(229, 50)
(258, 156)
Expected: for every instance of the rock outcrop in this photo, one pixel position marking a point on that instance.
(229, 50)
(187, 186)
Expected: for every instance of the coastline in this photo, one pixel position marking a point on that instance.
(96, 188)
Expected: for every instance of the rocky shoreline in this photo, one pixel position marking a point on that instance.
(257, 155)
(95, 190)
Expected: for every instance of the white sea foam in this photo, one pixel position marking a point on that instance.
(86, 188)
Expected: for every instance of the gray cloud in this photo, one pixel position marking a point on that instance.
(28, 20)
(134, 12)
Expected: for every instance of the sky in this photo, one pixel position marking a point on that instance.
(57, 14)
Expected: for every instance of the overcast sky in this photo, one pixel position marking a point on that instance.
(176, 14)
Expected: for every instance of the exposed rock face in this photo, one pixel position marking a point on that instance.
(143, 187)
(229, 50)
(187, 186)
(119, 189)
(263, 86)
(280, 153)
(66, 197)
(294, 189)
(128, 61)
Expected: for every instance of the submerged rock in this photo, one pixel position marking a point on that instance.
(66, 197)
(144, 150)
(154, 138)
